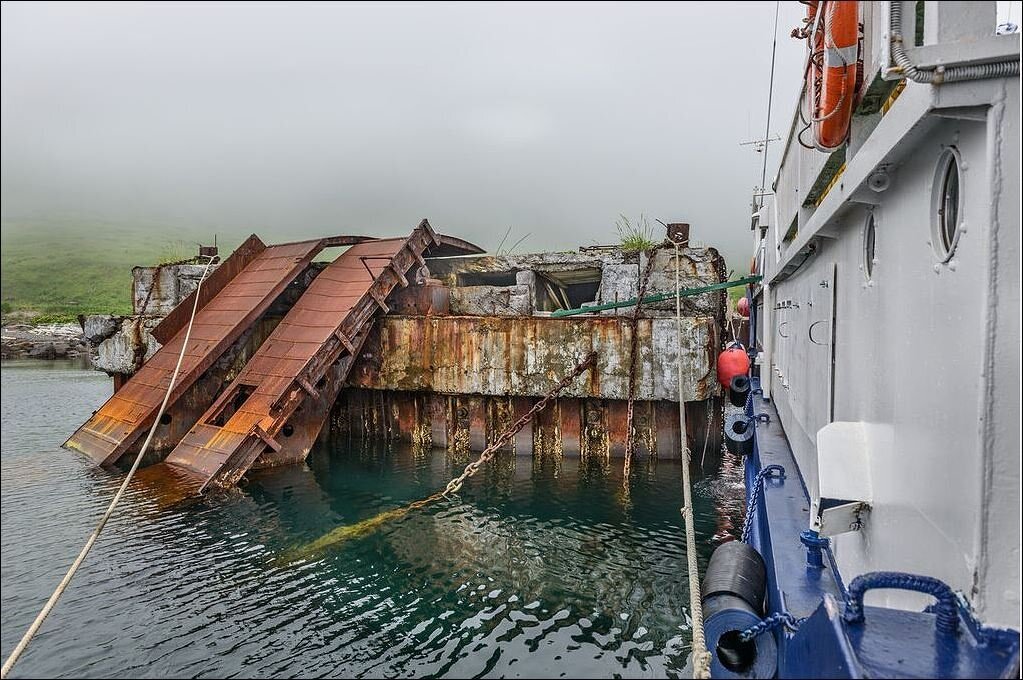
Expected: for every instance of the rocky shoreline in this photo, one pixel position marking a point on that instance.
(44, 341)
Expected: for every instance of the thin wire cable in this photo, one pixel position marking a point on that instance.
(30, 633)
(770, 98)
(701, 657)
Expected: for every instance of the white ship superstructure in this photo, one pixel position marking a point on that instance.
(888, 319)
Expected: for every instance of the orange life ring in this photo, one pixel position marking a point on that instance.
(834, 69)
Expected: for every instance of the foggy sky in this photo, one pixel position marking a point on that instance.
(362, 118)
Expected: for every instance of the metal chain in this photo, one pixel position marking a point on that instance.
(754, 497)
(643, 281)
(152, 286)
(770, 623)
(472, 468)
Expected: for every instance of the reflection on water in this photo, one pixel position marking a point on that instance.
(537, 571)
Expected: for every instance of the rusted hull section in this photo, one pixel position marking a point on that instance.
(119, 423)
(525, 356)
(302, 364)
(570, 427)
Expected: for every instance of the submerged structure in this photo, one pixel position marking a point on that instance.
(423, 339)
(883, 478)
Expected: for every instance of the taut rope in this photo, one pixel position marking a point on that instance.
(701, 657)
(30, 633)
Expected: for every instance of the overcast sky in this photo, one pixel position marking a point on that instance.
(342, 118)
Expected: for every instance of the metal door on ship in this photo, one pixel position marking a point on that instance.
(804, 331)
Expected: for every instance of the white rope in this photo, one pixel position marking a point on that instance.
(30, 633)
(701, 657)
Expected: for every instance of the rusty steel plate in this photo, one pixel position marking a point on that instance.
(112, 430)
(327, 324)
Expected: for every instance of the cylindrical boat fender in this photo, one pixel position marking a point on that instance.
(739, 434)
(733, 598)
(732, 362)
(742, 306)
(738, 390)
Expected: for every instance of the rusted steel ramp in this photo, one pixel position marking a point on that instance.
(238, 292)
(281, 398)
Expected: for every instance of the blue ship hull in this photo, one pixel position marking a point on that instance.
(804, 583)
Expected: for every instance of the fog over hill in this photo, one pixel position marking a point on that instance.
(295, 120)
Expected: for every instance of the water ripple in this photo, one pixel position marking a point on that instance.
(531, 574)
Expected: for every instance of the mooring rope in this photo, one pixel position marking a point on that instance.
(30, 633)
(701, 657)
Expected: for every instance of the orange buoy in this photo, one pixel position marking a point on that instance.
(834, 59)
(742, 306)
(732, 362)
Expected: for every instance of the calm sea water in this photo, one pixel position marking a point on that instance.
(539, 571)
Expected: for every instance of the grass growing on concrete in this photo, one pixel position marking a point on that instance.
(635, 237)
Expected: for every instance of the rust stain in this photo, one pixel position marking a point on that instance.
(328, 324)
(523, 356)
(120, 422)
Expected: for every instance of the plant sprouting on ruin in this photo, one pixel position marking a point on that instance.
(635, 237)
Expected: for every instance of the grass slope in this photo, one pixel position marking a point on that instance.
(63, 269)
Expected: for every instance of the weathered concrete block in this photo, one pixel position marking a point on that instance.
(492, 300)
(98, 327)
(618, 282)
(158, 290)
(697, 267)
(447, 269)
(128, 348)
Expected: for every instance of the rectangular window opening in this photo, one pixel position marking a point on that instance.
(230, 404)
(487, 278)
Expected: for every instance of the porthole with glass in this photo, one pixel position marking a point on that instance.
(947, 219)
(869, 244)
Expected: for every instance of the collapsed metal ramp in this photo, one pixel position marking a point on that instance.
(302, 365)
(245, 285)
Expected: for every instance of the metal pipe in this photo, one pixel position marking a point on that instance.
(659, 297)
(941, 74)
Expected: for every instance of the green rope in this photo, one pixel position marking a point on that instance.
(659, 297)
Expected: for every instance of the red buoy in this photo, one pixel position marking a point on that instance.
(732, 362)
(743, 307)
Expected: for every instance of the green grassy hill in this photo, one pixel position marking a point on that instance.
(60, 270)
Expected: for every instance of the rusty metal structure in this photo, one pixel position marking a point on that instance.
(303, 362)
(424, 339)
(239, 292)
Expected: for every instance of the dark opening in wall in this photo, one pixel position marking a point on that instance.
(486, 278)
(567, 290)
(238, 396)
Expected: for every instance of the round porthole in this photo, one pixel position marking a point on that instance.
(947, 213)
(869, 244)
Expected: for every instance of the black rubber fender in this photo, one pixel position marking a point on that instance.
(734, 588)
(739, 434)
(738, 390)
